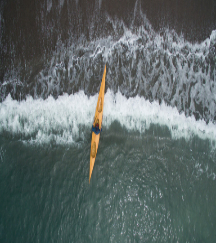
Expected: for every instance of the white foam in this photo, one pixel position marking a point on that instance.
(45, 120)
(67, 119)
(49, 5)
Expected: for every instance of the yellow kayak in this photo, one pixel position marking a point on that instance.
(97, 124)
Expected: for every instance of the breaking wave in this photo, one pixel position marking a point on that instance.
(68, 119)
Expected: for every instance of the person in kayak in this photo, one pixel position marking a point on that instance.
(96, 129)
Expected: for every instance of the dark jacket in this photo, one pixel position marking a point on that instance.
(96, 130)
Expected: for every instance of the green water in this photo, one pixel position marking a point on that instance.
(144, 188)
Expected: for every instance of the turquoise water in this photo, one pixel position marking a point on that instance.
(145, 187)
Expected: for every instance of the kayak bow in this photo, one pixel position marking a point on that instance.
(97, 119)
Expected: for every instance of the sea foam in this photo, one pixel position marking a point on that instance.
(69, 118)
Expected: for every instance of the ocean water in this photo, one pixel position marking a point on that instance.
(154, 178)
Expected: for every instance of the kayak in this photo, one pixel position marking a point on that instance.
(97, 120)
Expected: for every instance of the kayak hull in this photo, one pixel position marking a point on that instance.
(97, 119)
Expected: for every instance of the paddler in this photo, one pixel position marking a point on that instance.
(96, 129)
